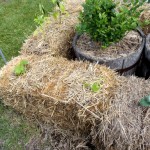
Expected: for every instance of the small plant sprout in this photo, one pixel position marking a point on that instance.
(59, 9)
(21, 68)
(145, 101)
(94, 87)
(40, 18)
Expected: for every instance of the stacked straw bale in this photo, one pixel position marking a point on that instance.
(125, 125)
(53, 90)
(146, 16)
(55, 38)
(57, 139)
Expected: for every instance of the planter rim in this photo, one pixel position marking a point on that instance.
(147, 48)
(148, 41)
(76, 37)
(125, 65)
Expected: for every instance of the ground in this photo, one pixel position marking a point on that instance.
(16, 24)
(15, 130)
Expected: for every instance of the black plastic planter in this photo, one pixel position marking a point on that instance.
(124, 65)
(147, 48)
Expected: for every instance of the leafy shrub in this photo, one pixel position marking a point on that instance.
(103, 21)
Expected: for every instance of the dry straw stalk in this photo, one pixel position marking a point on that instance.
(146, 16)
(55, 38)
(53, 90)
(125, 125)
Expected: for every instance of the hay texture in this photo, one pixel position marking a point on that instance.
(55, 90)
(52, 138)
(125, 125)
(55, 38)
(146, 16)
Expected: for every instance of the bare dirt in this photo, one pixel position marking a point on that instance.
(129, 44)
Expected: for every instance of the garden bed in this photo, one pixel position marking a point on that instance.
(128, 45)
(87, 106)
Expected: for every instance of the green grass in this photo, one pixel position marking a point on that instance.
(16, 24)
(15, 131)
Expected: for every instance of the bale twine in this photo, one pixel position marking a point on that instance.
(55, 38)
(146, 16)
(55, 90)
(125, 125)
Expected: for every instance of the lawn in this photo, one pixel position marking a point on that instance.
(16, 24)
(15, 130)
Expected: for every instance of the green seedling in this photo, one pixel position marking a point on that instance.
(41, 18)
(57, 13)
(21, 67)
(94, 87)
(145, 101)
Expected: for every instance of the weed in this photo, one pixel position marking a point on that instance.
(94, 87)
(21, 67)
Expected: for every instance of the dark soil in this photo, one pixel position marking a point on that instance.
(129, 44)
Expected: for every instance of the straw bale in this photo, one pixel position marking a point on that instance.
(57, 139)
(125, 125)
(73, 5)
(55, 38)
(53, 90)
(146, 16)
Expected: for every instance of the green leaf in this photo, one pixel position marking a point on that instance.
(21, 67)
(95, 87)
(55, 15)
(134, 25)
(147, 22)
(53, 1)
(108, 23)
(62, 8)
(42, 9)
(145, 101)
(19, 70)
(24, 62)
(40, 19)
